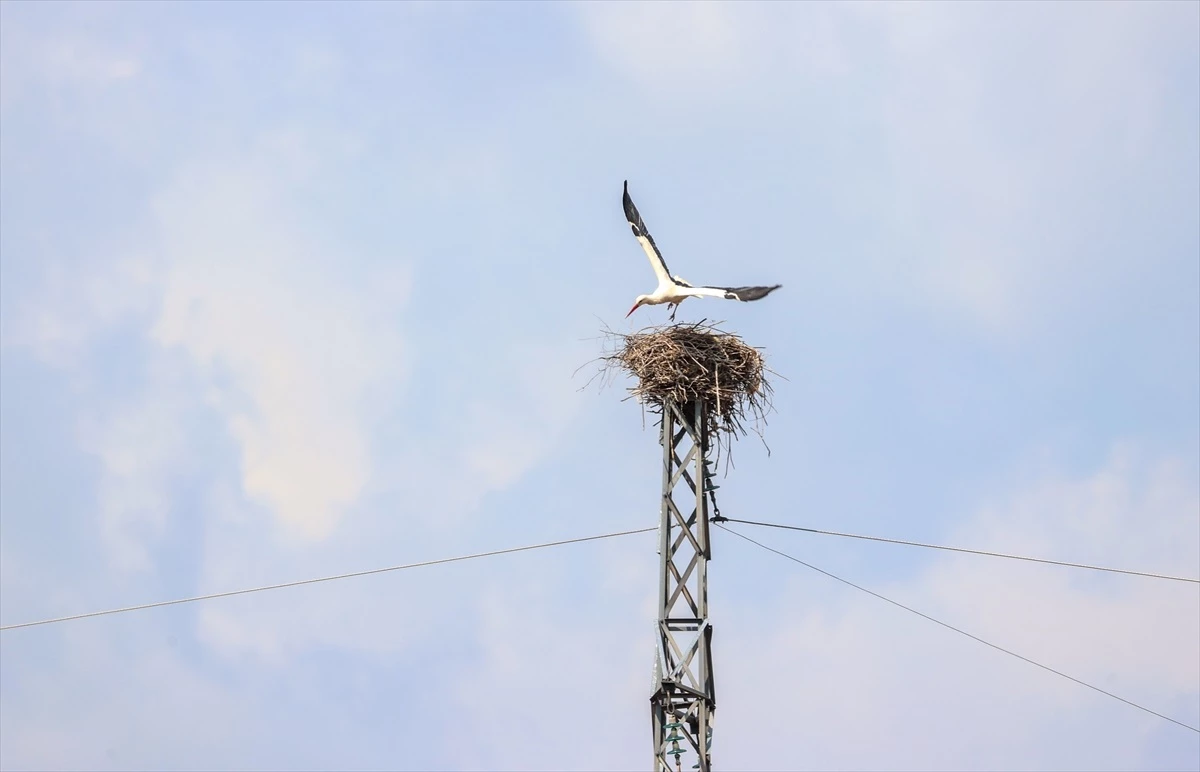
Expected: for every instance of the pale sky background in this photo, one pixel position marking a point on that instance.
(295, 290)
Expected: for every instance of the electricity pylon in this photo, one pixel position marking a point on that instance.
(684, 698)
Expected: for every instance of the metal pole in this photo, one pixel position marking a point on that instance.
(684, 698)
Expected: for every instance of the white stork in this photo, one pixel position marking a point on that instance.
(672, 289)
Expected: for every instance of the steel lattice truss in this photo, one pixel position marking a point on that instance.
(684, 699)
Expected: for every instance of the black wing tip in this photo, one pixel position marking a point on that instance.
(747, 294)
(631, 212)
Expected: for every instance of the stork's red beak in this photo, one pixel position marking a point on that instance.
(635, 307)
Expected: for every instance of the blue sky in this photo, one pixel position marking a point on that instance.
(294, 290)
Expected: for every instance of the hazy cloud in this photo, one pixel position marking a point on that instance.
(935, 700)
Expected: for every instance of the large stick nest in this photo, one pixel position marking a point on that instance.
(696, 361)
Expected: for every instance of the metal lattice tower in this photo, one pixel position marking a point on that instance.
(684, 699)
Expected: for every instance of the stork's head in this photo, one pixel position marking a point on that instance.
(641, 299)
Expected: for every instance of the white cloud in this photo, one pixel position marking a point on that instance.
(79, 61)
(73, 716)
(297, 351)
(288, 339)
(994, 157)
(881, 689)
(551, 685)
(989, 155)
(502, 431)
(34, 61)
(510, 408)
(651, 42)
(696, 52)
(140, 445)
(291, 343)
(506, 440)
(79, 299)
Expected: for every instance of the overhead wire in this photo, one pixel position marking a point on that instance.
(966, 550)
(592, 538)
(543, 545)
(350, 575)
(958, 630)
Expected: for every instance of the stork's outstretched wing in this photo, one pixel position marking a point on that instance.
(744, 294)
(643, 236)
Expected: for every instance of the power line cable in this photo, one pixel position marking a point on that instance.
(322, 579)
(958, 630)
(969, 551)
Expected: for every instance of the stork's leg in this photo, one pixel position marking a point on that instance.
(674, 308)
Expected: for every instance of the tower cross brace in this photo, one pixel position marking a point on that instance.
(684, 698)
